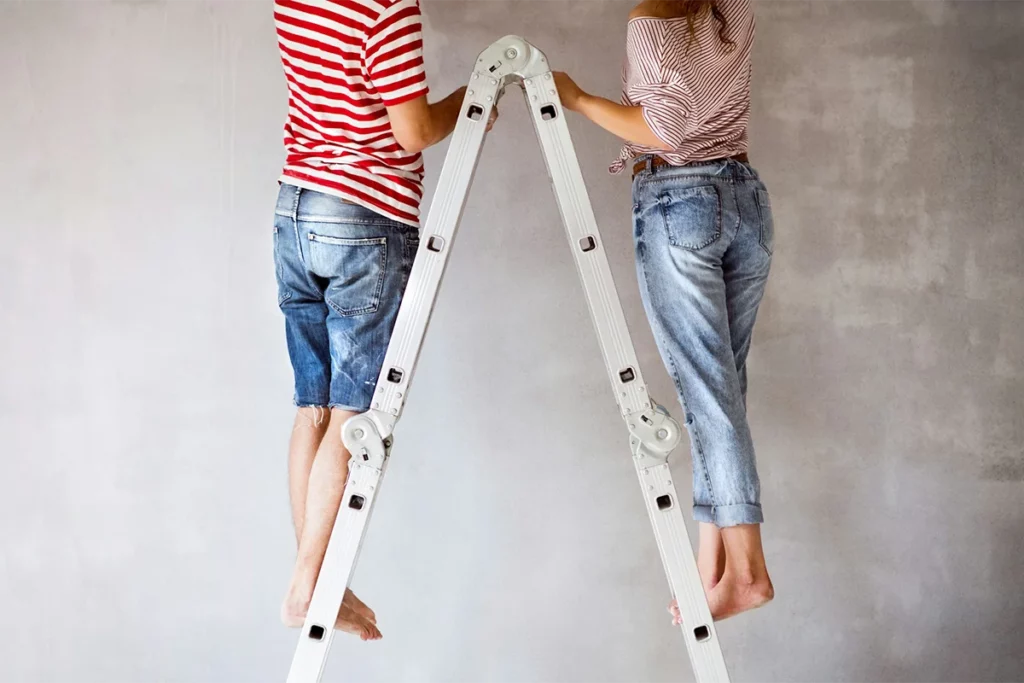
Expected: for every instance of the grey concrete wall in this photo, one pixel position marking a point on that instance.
(144, 389)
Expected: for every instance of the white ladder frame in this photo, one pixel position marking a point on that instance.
(653, 433)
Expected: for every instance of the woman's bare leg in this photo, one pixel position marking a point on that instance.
(710, 555)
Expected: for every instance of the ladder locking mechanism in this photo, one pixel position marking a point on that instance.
(653, 435)
(362, 438)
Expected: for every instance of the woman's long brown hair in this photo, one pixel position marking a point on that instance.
(698, 9)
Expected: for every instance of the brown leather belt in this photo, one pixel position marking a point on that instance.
(658, 162)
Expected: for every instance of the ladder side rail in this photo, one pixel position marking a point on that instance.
(436, 240)
(585, 242)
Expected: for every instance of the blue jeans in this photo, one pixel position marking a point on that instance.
(341, 273)
(703, 237)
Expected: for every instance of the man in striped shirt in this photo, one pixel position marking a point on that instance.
(345, 235)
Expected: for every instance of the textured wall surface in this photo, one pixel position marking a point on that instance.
(144, 385)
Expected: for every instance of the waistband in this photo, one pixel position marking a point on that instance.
(736, 165)
(650, 162)
(299, 202)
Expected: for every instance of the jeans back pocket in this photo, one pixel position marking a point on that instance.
(354, 269)
(693, 216)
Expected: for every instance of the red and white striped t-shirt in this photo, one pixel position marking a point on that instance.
(345, 60)
(695, 95)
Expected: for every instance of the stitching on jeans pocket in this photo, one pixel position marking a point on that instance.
(355, 270)
(764, 210)
(692, 215)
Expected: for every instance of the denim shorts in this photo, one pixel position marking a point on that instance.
(704, 238)
(341, 273)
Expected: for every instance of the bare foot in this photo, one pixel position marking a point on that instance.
(710, 563)
(351, 622)
(731, 597)
(735, 594)
(358, 606)
(353, 617)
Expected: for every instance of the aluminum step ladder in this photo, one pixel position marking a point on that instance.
(652, 432)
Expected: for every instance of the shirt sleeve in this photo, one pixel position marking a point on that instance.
(666, 109)
(394, 54)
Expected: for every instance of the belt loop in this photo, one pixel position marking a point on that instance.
(295, 204)
(650, 164)
(295, 225)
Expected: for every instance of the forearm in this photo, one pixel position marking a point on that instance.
(444, 114)
(620, 120)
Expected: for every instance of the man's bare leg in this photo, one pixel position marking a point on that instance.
(307, 433)
(318, 469)
(742, 582)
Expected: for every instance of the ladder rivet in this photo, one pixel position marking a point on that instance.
(534, 98)
(494, 82)
(399, 394)
(548, 76)
(489, 98)
(376, 405)
(474, 76)
(511, 53)
(662, 434)
(551, 92)
(632, 426)
(358, 433)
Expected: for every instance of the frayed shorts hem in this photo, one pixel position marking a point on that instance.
(331, 406)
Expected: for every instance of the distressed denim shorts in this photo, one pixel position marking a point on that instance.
(341, 273)
(704, 237)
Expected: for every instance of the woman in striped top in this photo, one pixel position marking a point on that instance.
(704, 235)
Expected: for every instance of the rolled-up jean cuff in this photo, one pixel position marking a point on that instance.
(728, 515)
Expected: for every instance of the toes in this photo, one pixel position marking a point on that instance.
(673, 609)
